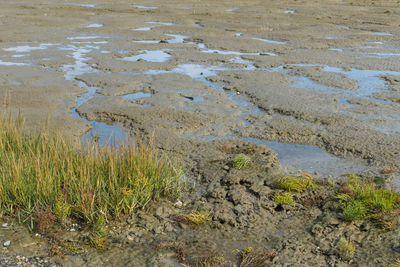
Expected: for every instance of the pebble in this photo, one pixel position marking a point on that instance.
(7, 243)
(178, 204)
(4, 225)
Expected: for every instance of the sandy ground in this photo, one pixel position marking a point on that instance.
(322, 75)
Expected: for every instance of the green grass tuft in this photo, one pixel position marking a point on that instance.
(345, 248)
(99, 235)
(198, 217)
(297, 184)
(284, 198)
(214, 259)
(354, 210)
(365, 199)
(78, 180)
(241, 161)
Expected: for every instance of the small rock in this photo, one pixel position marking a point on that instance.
(7, 243)
(226, 168)
(178, 204)
(4, 225)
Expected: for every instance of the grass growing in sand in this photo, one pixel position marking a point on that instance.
(83, 181)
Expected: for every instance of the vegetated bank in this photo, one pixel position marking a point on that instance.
(237, 210)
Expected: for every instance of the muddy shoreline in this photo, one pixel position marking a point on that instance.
(314, 88)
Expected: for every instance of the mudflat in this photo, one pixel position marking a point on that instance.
(314, 86)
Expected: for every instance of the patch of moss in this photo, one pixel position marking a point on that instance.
(284, 199)
(297, 184)
(241, 161)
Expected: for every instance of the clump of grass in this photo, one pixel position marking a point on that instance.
(354, 210)
(361, 199)
(62, 209)
(36, 169)
(99, 235)
(284, 198)
(250, 257)
(198, 218)
(214, 259)
(345, 248)
(297, 184)
(241, 161)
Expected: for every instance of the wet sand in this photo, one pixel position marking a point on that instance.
(317, 83)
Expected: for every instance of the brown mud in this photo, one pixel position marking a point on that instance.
(209, 80)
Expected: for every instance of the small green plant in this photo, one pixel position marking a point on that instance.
(345, 248)
(361, 199)
(241, 161)
(284, 198)
(62, 209)
(98, 237)
(246, 251)
(297, 184)
(354, 210)
(198, 217)
(214, 259)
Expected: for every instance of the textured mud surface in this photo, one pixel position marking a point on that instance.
(205, 75)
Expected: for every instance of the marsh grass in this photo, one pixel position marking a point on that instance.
(364, 199)
(82, 181)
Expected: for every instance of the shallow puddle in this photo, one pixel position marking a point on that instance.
(137, 96)
(27, 48)
(178, 39)
(150, 56)
(382, 33)
(310, 159)
(86, 37)
(369, 81)
(95, 25)
(269, 41)
(290, 11)
(143, 29)
(81, 4)
(105, 134)
(5, 63)
(146, 7)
